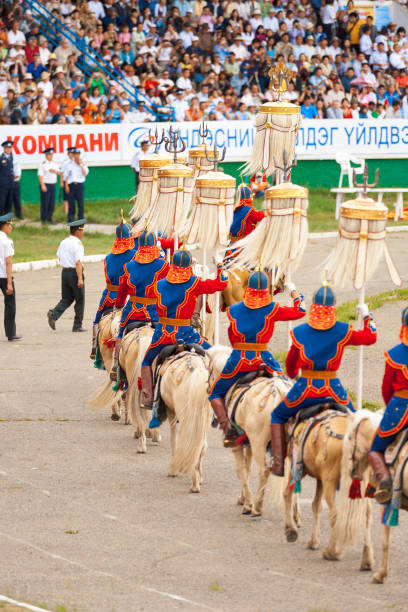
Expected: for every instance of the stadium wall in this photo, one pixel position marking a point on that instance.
(111, 182)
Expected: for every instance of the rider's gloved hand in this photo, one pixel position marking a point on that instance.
(362, 310)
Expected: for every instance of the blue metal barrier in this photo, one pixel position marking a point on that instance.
(55, 30)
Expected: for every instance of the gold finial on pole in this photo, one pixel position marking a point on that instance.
(279, 76)
(326, 278)
(146, 223)
(122, 217)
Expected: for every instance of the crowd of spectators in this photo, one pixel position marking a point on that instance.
(202, 59)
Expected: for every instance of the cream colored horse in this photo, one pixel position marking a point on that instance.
(361, 437)
(322, 455)
(253, 416)
(355, 515)
(184, 392)
(104, 396)
(133, 349)
(132, 352)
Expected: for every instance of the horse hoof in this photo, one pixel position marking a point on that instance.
(366, 567)
(171, 475)
(378, 579)
(141, 451)
(194, 490)
(329, 556)
(313, 545)
(240, 501)
(255, 514)
(246, 510)
(291, 535)
(115, 417)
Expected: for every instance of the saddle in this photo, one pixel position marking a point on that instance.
(311, 411)
(107, 312)
(393, 450)
(137, 324)
(175, 349)
(300, 429)
(238, 390)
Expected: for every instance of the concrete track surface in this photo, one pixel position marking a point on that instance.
(88, 524)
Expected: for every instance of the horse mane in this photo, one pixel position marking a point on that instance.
(218, 355)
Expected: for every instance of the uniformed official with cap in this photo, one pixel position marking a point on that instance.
(71, 255)
(75, 175)
(6, 278)
(135, 162)
(64, 166)
(16, 199)
(6, 177)
(48, 173)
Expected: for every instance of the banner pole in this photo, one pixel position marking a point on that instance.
(359, 401)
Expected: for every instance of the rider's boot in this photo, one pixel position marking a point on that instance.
(95, 328)
(230, 433)
(113, 374)
(382, 475)
(146, 375)
(278, 447)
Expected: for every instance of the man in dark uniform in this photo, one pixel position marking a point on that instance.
(71, 255)
(48, 173)
(6, 177)
(6, 277)
(64, 166)
(16, 199)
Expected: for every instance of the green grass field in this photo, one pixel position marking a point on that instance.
(42, 243)
(31, 243)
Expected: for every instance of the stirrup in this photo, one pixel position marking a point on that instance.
(276, 467)
(384, 492)
(230, 437)
(146, 404)
(93, 353)
(113, 375)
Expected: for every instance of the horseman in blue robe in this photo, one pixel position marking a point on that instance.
(245, 218)
(395, 419)
(123, 250)
(317, 350)
(252, 323)
(176, 300)
(139, 275)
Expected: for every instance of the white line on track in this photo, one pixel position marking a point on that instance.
(178, 598)
(165, 536)
(22, 605)
(93, 571)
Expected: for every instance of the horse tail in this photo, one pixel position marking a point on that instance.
(352, 506)
(194, 417)
(279, 485)
(103, 396)
(137, 417)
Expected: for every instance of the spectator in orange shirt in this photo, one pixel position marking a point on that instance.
(89, 113)
(402, 80)
(54, 104)
(193, 113)
(69, 101)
